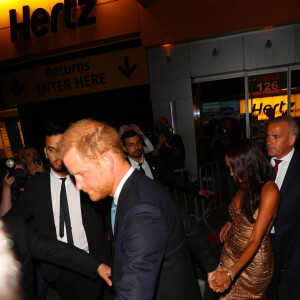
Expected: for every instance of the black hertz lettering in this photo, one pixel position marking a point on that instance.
(41, 23)
(257, 110)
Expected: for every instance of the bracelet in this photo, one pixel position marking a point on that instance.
(229, 272)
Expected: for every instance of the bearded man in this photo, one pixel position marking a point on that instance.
(57, 210)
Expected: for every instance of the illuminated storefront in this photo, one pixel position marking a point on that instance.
(208, 59)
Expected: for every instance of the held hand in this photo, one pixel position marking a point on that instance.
(7, 182)
(206, 193)
(221, 280)
(105, 272)
(209, 278)
(212, 285)
(224, 231)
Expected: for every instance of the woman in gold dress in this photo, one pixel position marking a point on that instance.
(247, 256)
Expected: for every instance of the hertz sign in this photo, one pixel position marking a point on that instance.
(40, 23)
(278, 103)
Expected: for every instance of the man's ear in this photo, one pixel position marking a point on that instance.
(106, 160)
(124, 149)
(45, 152)
(293, 138)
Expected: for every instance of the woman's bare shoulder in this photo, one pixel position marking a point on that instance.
(269, 189)
(270, 185)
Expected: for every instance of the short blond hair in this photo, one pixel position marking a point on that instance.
(90, 138)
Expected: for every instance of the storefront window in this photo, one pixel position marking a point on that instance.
(267, 100)
(218, 116)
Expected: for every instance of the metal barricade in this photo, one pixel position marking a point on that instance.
(214, 176)
(187, 199)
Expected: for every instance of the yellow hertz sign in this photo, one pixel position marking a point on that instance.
(260, 106)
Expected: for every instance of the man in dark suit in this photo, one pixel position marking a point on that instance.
(28, 246)
(154, 168)
(281, 136)
(282, 133)
(151, 259)
(41, 205)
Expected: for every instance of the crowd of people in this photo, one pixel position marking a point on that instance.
(100, 219)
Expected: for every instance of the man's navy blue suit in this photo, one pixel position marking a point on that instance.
(151, 258)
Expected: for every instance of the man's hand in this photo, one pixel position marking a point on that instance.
(224, 231)
(136, 129)
(220, 280)
(206, 193)
(211, 276)
(105, 271)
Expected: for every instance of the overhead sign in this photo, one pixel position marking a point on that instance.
(91, 74)
(41, 22)
(260, 106)
(32, 27)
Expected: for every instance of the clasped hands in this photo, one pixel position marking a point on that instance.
(219, 280)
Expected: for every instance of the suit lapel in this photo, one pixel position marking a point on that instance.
(289, 176)
(48, 217)
(124, 200)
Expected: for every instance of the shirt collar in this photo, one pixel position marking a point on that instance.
(56, 177)
(121, 184)
(135, 163)
(287, 158)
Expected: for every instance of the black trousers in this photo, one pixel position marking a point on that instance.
(72, 286)
(292, 270)
(273, 288)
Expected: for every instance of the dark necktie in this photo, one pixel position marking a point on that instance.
(141, 169)
(277, 162)
(64, 215)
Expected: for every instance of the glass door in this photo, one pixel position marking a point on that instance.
(217, 115)
(267, 99)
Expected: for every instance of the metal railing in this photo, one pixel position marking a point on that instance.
(190, 202)
(214, 176)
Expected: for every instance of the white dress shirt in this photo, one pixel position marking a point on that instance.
(282, 168)
(148, 148)
(121, 184)
(73, 196)
(145, 166)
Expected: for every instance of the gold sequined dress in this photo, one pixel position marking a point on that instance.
(254, 278)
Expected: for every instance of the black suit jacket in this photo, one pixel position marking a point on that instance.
(35, 206)
(166, 177)
(29, 246)
(151, 259)
(287, 224)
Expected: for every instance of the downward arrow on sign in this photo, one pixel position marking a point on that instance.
(16, 89)
(127, 71)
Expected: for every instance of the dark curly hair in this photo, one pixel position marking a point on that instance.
(251, 170)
